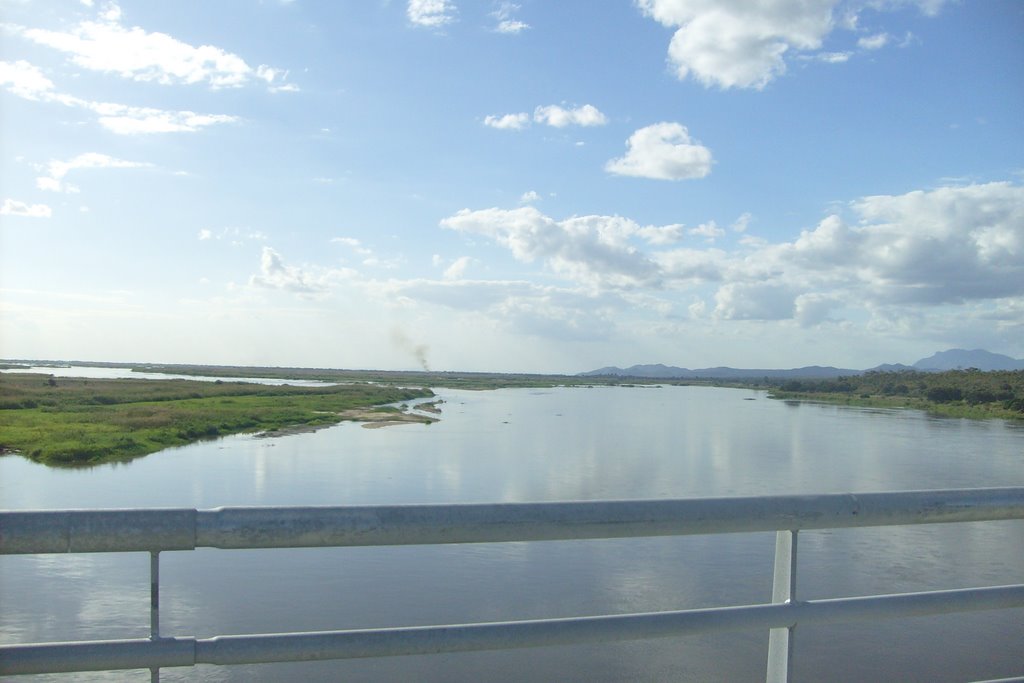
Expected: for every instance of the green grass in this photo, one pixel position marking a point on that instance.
(72, 422)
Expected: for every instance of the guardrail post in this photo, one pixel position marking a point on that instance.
(780, 640)
(154, 606)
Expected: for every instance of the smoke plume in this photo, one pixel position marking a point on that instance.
(419, 351)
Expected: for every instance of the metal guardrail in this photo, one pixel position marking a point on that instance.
(158, 530)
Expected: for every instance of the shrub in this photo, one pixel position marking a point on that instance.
(944, 394)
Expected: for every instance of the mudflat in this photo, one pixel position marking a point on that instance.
(376, 418)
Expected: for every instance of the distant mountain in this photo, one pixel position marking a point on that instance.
(943, 360)
(892, 367)
(954, 359)
(660, 371)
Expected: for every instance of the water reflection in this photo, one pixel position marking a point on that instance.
(561, 444)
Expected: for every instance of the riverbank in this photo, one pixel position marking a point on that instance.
(74, 422)
(980, 412)
(970, 394)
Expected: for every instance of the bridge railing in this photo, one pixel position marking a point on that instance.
(158, 530)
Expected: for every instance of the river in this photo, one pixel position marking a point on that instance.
(521, 445)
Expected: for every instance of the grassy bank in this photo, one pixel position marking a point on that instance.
(69, 422)
(956, 393)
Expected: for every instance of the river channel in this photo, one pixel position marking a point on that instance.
(522, 445)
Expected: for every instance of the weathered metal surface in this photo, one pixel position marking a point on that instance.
(96, 531)
(292, 647)
(292, 527)
(96, 655)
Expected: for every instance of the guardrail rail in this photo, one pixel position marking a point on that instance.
(160, 530)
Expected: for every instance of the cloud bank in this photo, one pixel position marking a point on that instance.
(949, 246)
(926, 261)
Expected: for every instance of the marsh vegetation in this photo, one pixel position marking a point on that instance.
(72, 422)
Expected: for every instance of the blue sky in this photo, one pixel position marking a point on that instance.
(496, 186)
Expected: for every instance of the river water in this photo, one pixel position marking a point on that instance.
(93, 372)
(544, 445)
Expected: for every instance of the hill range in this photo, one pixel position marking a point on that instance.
(952, 359)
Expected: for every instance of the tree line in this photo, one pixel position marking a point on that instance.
(969, 387)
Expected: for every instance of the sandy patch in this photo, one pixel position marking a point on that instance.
(370, 417)
(374, 419)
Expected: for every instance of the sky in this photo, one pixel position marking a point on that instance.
(534, 186)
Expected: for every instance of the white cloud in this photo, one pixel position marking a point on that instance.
(507, 23)
(833, 57)
(59, 169)
(746, 44)
(508, 121)
(521, 307)
(874, 42)
(813, 309)
(739, 44)
(111, 12)
(559, 117)
(27, 81)
(550, 115)
(24, 80)
(511, 27)
(234, 235)
(754, 301)
(431, 13)
(945, 245)
(125, 120)
(529, 197)
(742, 223)
(54, 185)
(692, 266)
(383, 263)
(661, 235)
(927, 7)
(270, 75)
(592, 250)
(140, 55)
(276, 274)
(709, 231)
(457, 269)
(663, 151)
(12, 207)
(352, 243)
